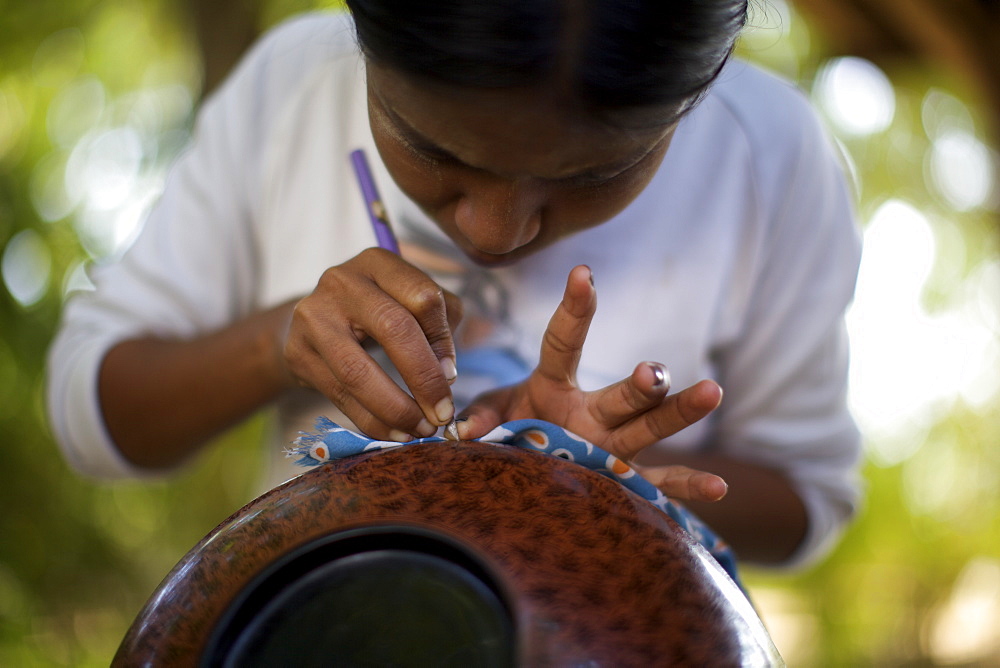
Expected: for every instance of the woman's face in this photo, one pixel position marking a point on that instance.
(505, 173)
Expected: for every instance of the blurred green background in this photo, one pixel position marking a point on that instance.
(97, 97)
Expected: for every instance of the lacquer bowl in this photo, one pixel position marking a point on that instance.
(448, 554)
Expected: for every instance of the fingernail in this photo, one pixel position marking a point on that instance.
(661, 377)
(451, 431)
(426, 429)
(401, 437)
(460, 429)
(591, 276)
(444, 410)
(448, 367)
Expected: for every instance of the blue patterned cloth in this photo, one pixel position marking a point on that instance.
(331, 441)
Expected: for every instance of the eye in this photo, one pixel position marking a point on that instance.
(424, 151)
(419, 153)
(587, 180)
(433, 153)
(600, 178)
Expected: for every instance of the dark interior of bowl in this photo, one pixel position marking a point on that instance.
(391, 597)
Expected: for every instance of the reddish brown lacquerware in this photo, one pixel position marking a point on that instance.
(593, 575)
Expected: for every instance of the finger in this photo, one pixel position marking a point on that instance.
(448, 357)
(403, 340)
(378, 424)
(362, 382)
(624, 400)
(686, 484)
(381, 409)
(408, 314)
(323, 350)
(455, 310)
(436, 311)
(566, 333)
(674, 413)
(485, 413)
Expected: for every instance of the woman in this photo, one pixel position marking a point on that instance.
(524, 147)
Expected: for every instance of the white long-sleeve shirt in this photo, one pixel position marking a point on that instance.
(735, 263)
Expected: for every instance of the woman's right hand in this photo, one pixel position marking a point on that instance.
(378, 297)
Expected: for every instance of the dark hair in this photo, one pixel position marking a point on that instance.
(611, 54)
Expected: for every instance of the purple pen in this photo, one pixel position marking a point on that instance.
(376, 210)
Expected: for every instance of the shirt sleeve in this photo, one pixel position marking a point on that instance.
(194, 266)
(787, 369)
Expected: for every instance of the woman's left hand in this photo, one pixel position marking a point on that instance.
(623, 418)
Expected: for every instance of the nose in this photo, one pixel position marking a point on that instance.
(498, 215)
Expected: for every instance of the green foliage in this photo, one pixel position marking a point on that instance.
(900, 588)
(78, 558)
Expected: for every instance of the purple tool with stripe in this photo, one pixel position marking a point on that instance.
(376, 210)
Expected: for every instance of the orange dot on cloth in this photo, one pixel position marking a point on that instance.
(617, 466)
(321, 453)
(537, 438)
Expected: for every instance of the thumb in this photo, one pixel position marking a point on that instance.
(488, 411)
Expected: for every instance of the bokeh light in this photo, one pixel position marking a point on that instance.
(963, 629)
(76, 109)
(892, 379)
(51, 199)
(909, 364)
(104, 167)
(942, 113)
(856, 95)
(26, 267)
(961, 169)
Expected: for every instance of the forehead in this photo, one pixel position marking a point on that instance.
(513, 132)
